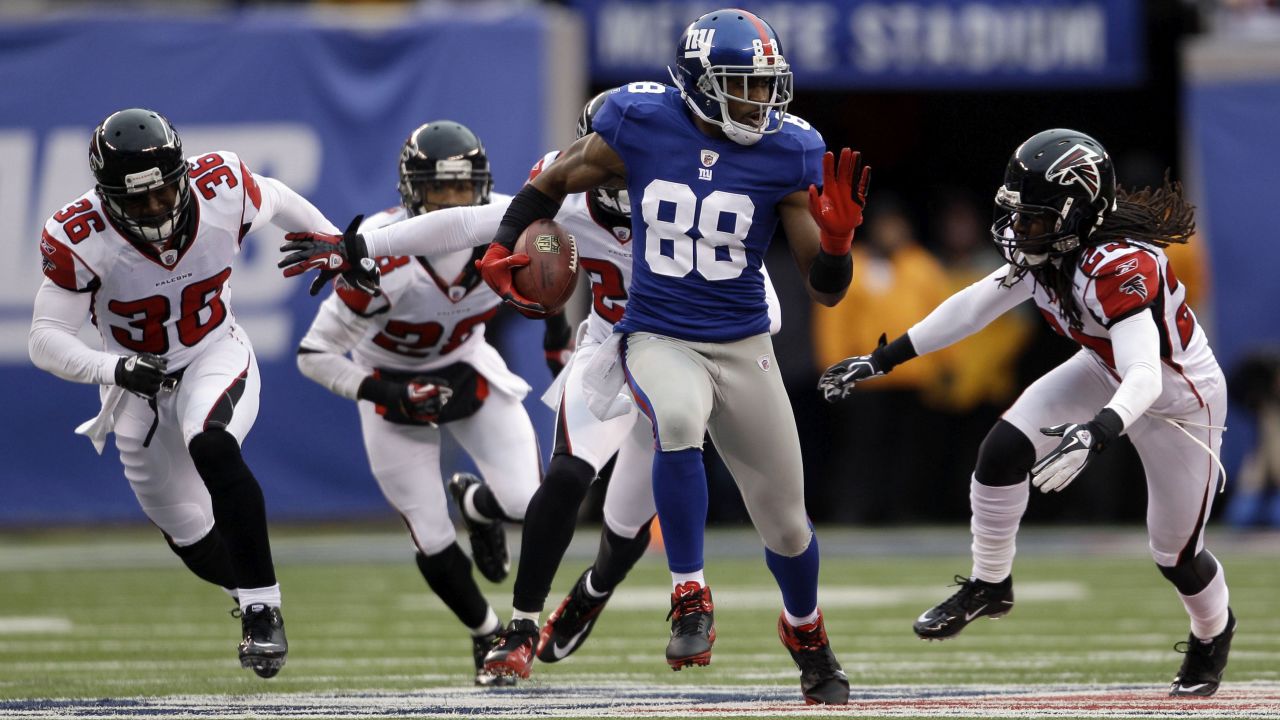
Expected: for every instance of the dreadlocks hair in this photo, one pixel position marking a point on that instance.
(1159, 217)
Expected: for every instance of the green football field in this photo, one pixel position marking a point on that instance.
(109, 624)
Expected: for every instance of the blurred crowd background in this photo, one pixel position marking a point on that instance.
(935, 93)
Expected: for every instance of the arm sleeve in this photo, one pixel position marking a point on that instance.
(1136, 343)
(322, 355)
(968, 311)
(53, 344)
(446, 230)
(288, 210)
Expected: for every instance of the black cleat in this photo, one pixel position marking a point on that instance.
(480, 645)
(512, 651)
(264, 646)
(1205, 660)
(571, 623)
(822, 680)
(693, 626)
(488, 539)
(973, 600)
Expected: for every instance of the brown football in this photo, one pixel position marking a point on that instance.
(552, 272)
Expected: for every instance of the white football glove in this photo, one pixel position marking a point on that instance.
(1080, 443)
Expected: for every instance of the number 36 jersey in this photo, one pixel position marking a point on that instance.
(703, 212)
(168, 305)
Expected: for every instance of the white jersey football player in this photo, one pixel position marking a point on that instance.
(147, 254)
(1093, 265)
(420, 366)
(601, 226)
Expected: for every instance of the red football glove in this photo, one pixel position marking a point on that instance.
(837, 210)
(495, 267)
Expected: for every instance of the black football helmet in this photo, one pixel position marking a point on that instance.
(438, 151)
(1063, 177)
(609, 206)
(136, 158)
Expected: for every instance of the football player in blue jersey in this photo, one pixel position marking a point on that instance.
(712, 165)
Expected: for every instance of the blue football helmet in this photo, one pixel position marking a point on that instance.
(716, 57)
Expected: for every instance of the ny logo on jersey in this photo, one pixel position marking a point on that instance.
(1127, 266)
(1077, 165)
(1135, 285)
(698, 42)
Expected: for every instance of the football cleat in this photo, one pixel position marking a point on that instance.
(1203, 663)
(693, 626)
(974, 599)
(571, 623)
(822, 680)
(488, 539)
(264, 646)
(480, 645)
(512, 651)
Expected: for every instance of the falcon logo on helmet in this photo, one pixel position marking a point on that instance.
(1077, 165)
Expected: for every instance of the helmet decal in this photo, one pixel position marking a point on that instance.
(1077, 165)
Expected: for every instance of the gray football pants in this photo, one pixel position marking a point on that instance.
(734, 391)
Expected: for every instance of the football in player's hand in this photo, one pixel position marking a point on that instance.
(552, 272)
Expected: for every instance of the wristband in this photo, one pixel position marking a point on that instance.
(830, 273)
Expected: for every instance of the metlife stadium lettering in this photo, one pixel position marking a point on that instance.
(857, 43)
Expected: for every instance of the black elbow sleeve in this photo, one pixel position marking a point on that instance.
(528, 205)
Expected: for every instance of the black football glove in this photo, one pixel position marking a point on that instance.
(332, 255)
(141, 374)
(839, 379)
(557, 343)
(421, 398)
(1080, 443)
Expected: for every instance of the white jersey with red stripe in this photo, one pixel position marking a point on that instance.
(1118, 280)
(171, 306)
(431, 312)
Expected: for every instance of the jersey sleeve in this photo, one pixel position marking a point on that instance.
(63, 266)
(358, 301)
(611, 120)
(1123, 286)
(813, 148)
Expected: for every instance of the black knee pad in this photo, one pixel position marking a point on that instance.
(216, 454)
(570, 476)
(1194, 575)
(1005, 457)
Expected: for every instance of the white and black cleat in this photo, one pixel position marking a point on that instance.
(975, 599)
(263, 647)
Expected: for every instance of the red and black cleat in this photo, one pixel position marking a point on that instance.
(693, 627)
(512, 652)
(822, 680)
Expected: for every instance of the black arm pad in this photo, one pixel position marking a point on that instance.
(528, 205)
(895, 353)
(830, 273)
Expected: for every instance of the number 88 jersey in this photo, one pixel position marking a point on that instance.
(169, 305)
(703, 212)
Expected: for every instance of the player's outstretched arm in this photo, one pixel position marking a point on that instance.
(331, 255)
(587, 163)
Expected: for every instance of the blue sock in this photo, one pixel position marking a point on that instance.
(680, 494)
(797, 577)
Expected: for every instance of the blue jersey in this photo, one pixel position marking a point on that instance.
(703, 211)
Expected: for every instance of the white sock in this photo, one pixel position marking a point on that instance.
(591, 589)
(469, 505)
(997, 512)
(491, 624)
(794, 621)
(269, 596)
(522, 615)
(1208, 608)
(678, 579)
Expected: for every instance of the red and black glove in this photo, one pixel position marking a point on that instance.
(332, 255)
(557, 343)
(495, 267)
(837, 209)
(421, 398)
